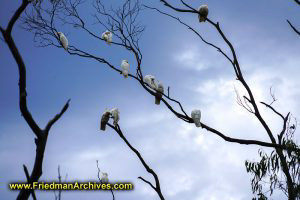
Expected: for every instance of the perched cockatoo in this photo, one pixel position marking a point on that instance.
(150, 80)
(107, 36)
(104, 120)
(63, 40)
(203, 10)
(104, 177)
(115, 115)
(159, 92)
(125, 68)
(196, 116)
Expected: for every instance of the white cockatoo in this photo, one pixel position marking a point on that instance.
(115, 115)
(203, 10)
(159, 92)
(196, 116)
(104, 177)
(107, 36)
(63, 40)
(125, 68)
(150, 80)
(104, 120)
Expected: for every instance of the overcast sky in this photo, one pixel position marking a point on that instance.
(191, 163)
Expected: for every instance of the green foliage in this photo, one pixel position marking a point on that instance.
(267, 173)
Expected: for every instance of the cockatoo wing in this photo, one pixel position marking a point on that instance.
(203, 10)
(125, 68)
(150, 80)
(147, 79)
(109, 40)
(153, 84)
(196, 116)
(107, 36)
(64, 41)
(115, 114)
(125, 65)
(160, 87)
(104, 120)
(159, 92)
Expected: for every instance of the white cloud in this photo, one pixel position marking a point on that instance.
(193, 58)
(145, 118)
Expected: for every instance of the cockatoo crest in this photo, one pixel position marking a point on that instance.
(203, 10)
(125, 68)
(63, 40)
(196, 116)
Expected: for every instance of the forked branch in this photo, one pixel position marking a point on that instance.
(41, 135)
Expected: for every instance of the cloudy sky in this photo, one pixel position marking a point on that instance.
(191, 162)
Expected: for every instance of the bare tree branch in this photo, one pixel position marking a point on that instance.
(293, 27)
(22, 70)
(58, 197)
(28, 179)
(192, 29)
(284, 128)
(148, 182)
(41, 135)
(99, 178)
(52, 121)
(146, 166)
(273, 109)
(241, 141)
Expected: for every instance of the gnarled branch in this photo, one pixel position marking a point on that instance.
(41, 135)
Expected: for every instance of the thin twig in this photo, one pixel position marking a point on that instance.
(293, 27)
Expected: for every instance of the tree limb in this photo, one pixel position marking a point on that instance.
(293, 27)
(56, 117)
(273, 109)
(146, 166)
(41, 135)
(22, 70)
(28, 179)
(148, 182)
(241, 141)
(99, 178)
